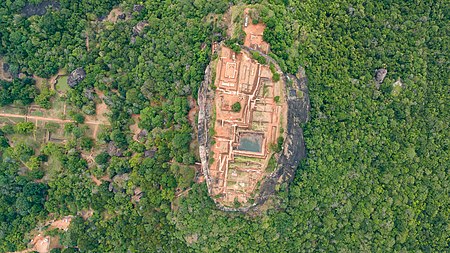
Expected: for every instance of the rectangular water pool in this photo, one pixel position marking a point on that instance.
(251, 142)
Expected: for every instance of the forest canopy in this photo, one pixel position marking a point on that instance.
(376, 173)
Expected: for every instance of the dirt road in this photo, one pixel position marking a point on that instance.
(61, 121)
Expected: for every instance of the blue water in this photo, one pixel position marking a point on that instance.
(250, 143)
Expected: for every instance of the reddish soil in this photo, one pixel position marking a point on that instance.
(43, 244)
(254, 34)
(62, 224)
(96, 180)
(87, 41)
(86, 214)
(137, 195)
(135, 128)
(94, 134)
(235, 170)
(99, 181)
(100, 116)
(61, 121)
(114, 14)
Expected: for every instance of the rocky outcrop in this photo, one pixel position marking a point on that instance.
(138, 8)
(380, 74)
(76, 77)
(139, 27)
(150, 153)
(113, 150)
(205, 102)
(293, 148)
(40, 8)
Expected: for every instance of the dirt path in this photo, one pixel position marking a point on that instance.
(183, 193)
(135, 128)
(94, 135)
(87, 41)
(96, 180)
(101, 111)
(61, 121)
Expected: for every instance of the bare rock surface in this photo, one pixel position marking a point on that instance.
(113, 150)
(138, 8)
(380, 74)
(40, 8)
(139, 27)
(75, 77)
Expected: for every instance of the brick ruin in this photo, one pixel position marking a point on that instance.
(254, 34)
(241, 143)
(236, 144)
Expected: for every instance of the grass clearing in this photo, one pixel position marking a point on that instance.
(14, 109)
(272, 165)
(244, 166)
(61, 84)
(244, 159)
(10, 120)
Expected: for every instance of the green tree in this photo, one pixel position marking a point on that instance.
(236, 107)
(24, 127)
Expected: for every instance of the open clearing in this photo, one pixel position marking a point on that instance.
(134, 127)
(15, 113)
(61, 84)
(114, 15)
(58, 114)
(42, 243)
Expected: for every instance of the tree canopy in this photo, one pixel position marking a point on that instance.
(376, 173)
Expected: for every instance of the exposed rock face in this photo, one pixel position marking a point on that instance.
(113, 150)
(75, 77)
(118, 183)
(205, 98)
(351, 11)
(5, 67)
(7, 75)
(39, 9)
(89, 94)
(143, 133)
(139, 27)
(398, 83)
(380, 74)
(149, 153)
(294, 149)
(138, 8)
